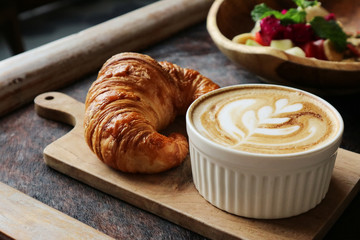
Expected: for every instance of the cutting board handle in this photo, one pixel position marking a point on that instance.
(60, 107)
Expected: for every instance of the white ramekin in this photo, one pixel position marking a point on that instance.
(265, 186)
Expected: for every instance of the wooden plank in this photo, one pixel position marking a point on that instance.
(22, 217)
(61, 62)
(172, 194)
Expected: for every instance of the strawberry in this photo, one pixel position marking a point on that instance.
(315, 49)
(259, 39)
(354, 51)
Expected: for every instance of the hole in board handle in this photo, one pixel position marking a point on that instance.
(49, 98)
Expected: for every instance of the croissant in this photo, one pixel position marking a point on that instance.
(134, 97)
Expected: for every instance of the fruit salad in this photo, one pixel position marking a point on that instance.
(307, 31)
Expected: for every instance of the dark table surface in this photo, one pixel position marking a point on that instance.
(24, 135)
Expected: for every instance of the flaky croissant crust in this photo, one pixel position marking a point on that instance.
(132, 99)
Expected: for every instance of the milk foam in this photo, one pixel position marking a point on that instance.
(263, 120)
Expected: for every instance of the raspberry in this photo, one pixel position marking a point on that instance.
(330, 16)
(299, 33)
(271, 28)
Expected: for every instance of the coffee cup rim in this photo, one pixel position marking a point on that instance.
(193, 132)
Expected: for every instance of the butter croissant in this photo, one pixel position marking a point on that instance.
(132, 99)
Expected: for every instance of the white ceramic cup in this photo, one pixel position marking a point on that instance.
(265, 186)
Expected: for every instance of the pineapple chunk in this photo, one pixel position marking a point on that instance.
(314, 11)
(251, 42)
(242, 38)
(282, 44)
(296, 51)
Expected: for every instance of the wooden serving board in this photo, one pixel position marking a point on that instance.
(23, 217)
(172, 195)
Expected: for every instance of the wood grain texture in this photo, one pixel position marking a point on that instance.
(24, 135)
(227, 18)
(172, 194)
(23, 217)
(61, 62)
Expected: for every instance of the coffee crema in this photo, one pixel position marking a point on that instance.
(266, 120)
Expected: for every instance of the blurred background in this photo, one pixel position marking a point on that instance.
(27, 24)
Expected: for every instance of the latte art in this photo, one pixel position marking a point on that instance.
(263, 120)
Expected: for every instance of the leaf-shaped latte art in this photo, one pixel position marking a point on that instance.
(283, 107)
(226, 123)
(264, 120)
(264, 124)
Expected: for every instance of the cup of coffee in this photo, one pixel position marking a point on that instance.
(263, 151)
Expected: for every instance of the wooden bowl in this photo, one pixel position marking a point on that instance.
(228, 18)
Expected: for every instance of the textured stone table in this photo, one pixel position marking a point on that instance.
(24, 135)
